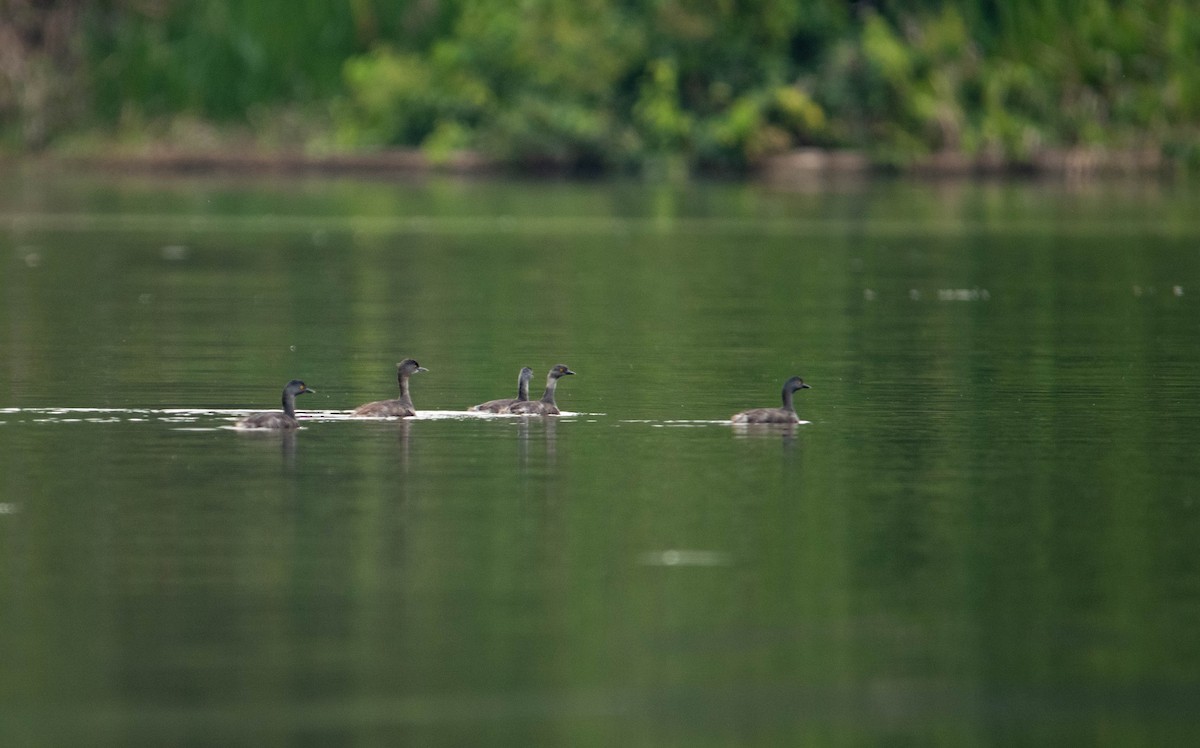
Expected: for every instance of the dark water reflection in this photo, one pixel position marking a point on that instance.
(985, 534)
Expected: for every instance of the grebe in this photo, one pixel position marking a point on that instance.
(545, 406)
(274, 419)
(503, 405)
(401, 407)
(786, 414)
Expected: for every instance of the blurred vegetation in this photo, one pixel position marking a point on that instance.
(608, 84)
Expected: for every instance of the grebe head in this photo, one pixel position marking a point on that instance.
(408, 367)
(296, 387)
(795, 383)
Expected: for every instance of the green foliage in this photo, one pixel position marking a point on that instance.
(531, 82)
(1039, 75)
(396, 98)
(664, 125)
(760, 123)
(615, 84)
(218, 59)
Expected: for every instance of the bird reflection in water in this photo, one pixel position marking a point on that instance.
(528, 429)
(285, 437)
(403, 428)
(787, 433)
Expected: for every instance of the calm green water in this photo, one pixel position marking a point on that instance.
(985, 535)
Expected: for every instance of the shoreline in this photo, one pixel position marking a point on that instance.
(798, 165)
(254, 161)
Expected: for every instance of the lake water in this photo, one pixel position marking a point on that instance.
(986, 533)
